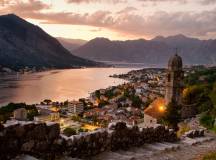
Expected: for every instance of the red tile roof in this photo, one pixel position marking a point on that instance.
(155, 109)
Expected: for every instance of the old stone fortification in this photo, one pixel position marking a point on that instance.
(45, 141)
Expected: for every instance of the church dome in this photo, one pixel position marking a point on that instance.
(175, 62)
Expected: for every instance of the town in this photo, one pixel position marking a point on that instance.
(161, 107)
(130, 102)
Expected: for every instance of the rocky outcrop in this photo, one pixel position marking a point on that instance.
(45, 141)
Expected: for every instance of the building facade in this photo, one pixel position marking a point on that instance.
(20, 114)
(75, 107)
(174, 80)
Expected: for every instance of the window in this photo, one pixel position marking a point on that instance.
(168, 77)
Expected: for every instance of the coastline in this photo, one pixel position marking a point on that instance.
(56, 71)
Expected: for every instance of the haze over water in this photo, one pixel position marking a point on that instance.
(57, 85)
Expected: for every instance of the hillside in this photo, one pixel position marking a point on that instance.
(71, 44)
(155, 51)
(23, 44)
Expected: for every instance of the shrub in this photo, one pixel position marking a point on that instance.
(207, 120)
(214, 129)
(80, 130)
(183, 128)
(210, 156)
(171, 116)
(69, 132)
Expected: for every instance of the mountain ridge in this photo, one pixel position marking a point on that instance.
(71, 44)
(154, 51)
(23, 44)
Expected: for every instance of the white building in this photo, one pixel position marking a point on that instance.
(52, 116)
(155, 111)
(75, 107)
(20, 114)
(139, 91)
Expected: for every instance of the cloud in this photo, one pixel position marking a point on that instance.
(127, 10)
(156, 1)
(127, 21)
(160, 23)
(203, 2)
(24, 6)
(207, 2)
(98, 1)
(163, 23)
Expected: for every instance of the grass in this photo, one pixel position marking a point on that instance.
(214, 129)
(213, 97)
(210, 156)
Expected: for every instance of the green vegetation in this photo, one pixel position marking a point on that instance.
(76, 118)
(130, 94)
(109, 94)
(7, 111)
(47, 101)
(69, 132)
(171, 117)
(198, 95)
(82, 130)
(183, 128)
(201, 93)
(97, 94)
(102, 103)
(207, 120)
(201, 76)
(210, 156)
(136, 101)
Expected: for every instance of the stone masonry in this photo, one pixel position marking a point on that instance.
(45, 141)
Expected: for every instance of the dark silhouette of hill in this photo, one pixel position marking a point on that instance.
(71, 44)
(23, 44)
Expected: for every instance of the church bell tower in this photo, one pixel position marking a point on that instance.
(174, 80)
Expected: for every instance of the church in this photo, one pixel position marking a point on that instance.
(174, 89)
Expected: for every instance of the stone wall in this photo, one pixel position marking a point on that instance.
(45, 141)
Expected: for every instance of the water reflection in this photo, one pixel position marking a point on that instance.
(58, 85)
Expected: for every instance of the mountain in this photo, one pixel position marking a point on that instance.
(155, 51)
(23, 44)
(71, 44)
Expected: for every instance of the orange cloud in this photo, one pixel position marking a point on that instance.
(93, 1)
(126, 22)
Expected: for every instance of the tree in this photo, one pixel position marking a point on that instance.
(47, 101)
(171, 117)
(207, 120)
(69, 132)
(7, 111)
(102, 103)
(136, 101)
(97, 94)
(205, 104)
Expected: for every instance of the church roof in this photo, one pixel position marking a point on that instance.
(175, 62)
(156, 108)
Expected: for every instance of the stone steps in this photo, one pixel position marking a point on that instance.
(190, 141)
(146, 151)
(154, 151)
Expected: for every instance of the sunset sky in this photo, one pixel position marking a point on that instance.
(118, 19)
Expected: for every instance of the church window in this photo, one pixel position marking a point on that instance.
(169, 77)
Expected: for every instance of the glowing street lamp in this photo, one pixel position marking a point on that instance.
(161, 108)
